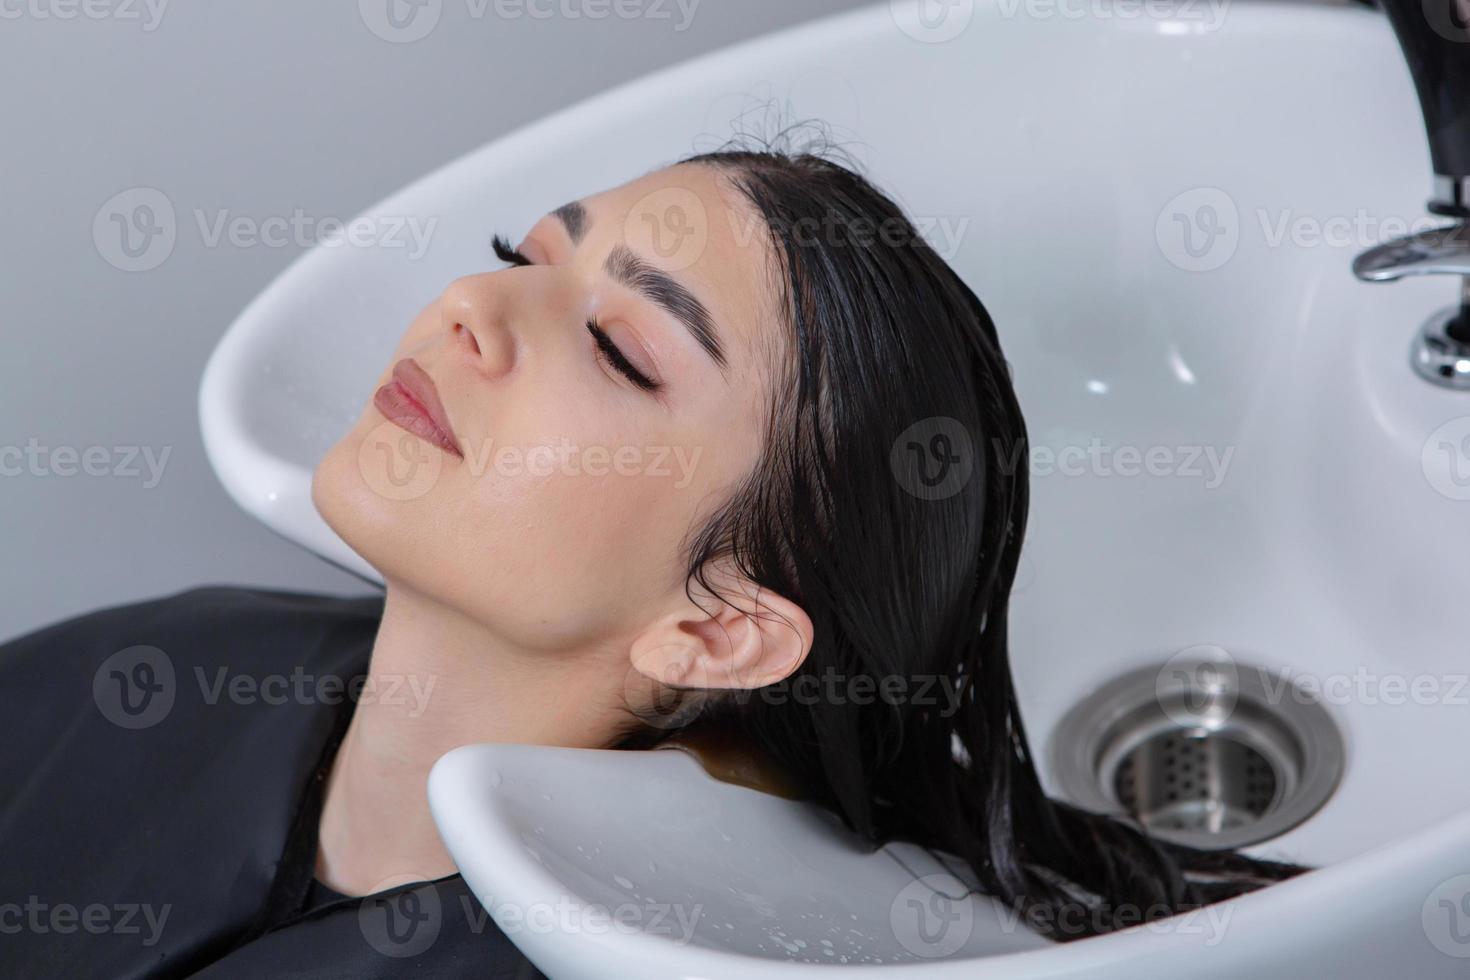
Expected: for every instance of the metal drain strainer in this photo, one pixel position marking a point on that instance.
(1207, 753)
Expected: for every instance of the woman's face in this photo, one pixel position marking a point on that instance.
(556, 512)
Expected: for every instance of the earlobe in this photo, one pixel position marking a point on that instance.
(663, 658)
(746, 638)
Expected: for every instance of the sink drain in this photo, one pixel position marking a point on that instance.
(1202, 752)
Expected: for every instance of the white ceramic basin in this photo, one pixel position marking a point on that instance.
(1057, 161)
(638, 865)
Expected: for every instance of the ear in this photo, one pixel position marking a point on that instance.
(743, 637)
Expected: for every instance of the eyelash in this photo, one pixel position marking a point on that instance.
(606, 349)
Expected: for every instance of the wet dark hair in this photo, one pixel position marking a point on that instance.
(903, 582)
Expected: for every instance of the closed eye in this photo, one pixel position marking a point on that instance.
(615, 359)
(505, 253)
(606, 349)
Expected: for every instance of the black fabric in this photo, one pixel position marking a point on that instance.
(160, 786)
(319, 894)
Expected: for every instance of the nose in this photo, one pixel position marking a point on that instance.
(476, 311)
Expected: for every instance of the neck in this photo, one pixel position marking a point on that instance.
(438, 680)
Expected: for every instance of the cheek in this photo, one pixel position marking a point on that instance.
(585, 539)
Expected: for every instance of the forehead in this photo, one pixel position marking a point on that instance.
(692, 223)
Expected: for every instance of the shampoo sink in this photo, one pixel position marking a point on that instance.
(1159, 207)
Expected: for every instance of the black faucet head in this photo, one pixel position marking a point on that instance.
(1435, 38)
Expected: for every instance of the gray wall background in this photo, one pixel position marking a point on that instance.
(258, 108)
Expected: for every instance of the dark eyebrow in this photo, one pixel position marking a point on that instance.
(627, 268)
(574, 218)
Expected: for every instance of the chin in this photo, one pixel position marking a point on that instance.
(373, 487)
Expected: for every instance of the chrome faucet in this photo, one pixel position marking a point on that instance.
(1435, 38)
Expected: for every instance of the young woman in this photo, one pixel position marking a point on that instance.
(660, 466)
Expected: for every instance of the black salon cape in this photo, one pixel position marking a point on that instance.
(135, 785)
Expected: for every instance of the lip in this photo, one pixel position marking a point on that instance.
(411, 402)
